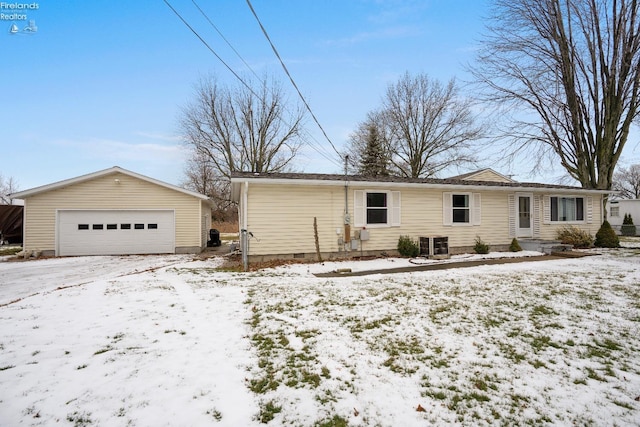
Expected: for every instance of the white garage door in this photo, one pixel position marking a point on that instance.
(115, 232)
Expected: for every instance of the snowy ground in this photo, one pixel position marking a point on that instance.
(169, 341)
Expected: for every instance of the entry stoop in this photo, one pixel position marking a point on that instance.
(545, 246)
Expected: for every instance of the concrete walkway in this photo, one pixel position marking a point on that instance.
(459, 264)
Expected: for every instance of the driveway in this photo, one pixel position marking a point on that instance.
(19, 279)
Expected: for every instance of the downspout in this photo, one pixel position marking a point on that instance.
(245, 201)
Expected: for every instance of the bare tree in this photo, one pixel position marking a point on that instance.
(430, 126)
(7, 186)
(567, 76)
(627, 182)
(201, 176)
(242, 128)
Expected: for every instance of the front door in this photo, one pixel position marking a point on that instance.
(524, 217)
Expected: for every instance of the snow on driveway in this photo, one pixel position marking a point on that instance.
(19, 279)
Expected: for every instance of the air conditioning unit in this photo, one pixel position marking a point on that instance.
(434, 247)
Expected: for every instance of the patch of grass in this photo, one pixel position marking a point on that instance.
(80, 419)
(10, 250)
(624, 405)
(217, 415)
(592, 374)
(268, 412)
(81, 367)
(335, 421)
(103, 350)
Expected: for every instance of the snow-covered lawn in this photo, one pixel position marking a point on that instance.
(168, 340)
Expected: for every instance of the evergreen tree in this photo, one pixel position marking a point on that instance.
(374, 160)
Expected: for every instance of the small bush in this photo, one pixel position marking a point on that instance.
(628, 229)
(407, 247)
(606, 237)
(480, 247)
(515, 246)
(570, 235)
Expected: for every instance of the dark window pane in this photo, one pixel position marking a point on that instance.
(98, 226)
(376, 216)
(83, 226)
(461, 215)
(554, 209)
(139, 226)
(152, 226)
(112, 226)
(579, 209)
(460, 200)
(125, 226)
(376, 200)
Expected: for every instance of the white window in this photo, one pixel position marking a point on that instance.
(567, 209)
(376, 208)
(461, 209)
(615, 211)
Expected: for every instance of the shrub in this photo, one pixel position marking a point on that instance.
(570, 235)
(515, 246)
(628, 229)
(606, 237)
(407, 247)
(480, 247)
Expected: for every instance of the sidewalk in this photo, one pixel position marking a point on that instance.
(458, 264)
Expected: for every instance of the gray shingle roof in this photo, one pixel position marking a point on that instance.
(239, 176)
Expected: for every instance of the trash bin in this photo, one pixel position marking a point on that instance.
(214, 238)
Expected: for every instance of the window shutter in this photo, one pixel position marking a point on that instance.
(589, 209)
(511, 201)
(358, 208)
(536, 216)
(395, 208)
(447, 213)
(476, 209)
(546, 209)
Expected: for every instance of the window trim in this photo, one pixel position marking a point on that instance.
(475, 209)
(360, 208)
(568, 196)
(387, 199)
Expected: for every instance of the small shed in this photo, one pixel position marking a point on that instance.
(114, 212)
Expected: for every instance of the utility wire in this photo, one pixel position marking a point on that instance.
(209, 47)
(264, 31)
(319, 149)
(316, 145)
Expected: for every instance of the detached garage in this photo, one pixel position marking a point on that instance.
(114, 212)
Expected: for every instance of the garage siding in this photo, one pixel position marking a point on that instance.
(106, 193)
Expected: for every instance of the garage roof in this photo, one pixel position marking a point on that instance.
(116, 169)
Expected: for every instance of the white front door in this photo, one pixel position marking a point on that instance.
(524, 217)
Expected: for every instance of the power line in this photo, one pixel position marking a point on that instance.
(264, 31)
(209, 47)
(316, 146)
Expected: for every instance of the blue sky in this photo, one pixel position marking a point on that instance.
(101, 83)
